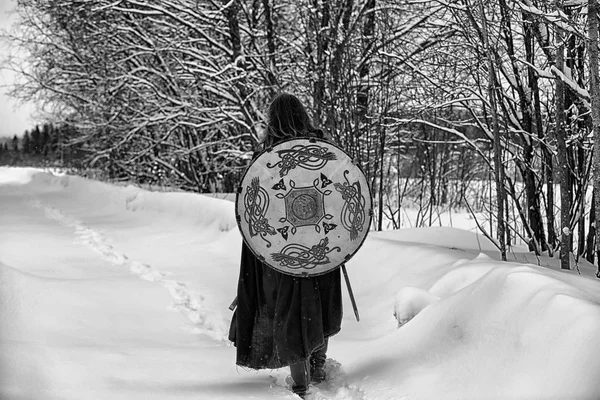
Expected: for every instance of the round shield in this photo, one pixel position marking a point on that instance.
(303, 207)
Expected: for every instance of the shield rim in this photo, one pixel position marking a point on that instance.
(238, 217)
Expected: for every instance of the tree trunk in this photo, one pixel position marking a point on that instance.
(362, 96)
(230, 11)
(562, 157)
(272, 66)
(381, 159)
(319, 66)
(498, 167)
(595, 94)
(533, 223)
(590, 245)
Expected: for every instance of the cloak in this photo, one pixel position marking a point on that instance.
(281, 319)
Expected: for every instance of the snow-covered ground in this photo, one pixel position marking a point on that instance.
(110, 292)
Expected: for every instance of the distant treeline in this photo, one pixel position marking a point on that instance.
(50, 145)
(41, 146)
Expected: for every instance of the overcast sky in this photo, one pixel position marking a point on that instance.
(14, 119)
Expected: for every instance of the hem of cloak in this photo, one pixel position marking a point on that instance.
(283, 365)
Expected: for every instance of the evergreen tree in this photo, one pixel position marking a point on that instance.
(27, 144)
(15, 144)
(36, 140)
(46, 139)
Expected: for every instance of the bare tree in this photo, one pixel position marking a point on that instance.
(595, 98)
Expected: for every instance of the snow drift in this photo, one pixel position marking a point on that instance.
(188, 207)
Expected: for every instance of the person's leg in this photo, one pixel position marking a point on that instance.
(300, 374)
(317, 363)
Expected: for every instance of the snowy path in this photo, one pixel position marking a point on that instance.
(191, 304)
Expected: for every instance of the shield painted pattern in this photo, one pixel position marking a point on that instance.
(303, 207)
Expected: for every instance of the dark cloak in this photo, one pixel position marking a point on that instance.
(281, 319)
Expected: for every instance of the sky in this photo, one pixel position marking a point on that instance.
(15, 118)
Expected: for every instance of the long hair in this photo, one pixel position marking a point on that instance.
(287, 119)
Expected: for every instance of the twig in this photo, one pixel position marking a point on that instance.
(480, 227)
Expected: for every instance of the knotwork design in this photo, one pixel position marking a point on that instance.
(303, 207)
(353, 210)
(311, 157)
(256, 203)
(296, 256)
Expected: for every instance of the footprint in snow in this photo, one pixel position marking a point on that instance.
(192, 304)
(146, 272)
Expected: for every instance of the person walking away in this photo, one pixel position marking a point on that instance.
(283, 320)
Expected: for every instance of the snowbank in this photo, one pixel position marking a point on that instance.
(190, 208)
(499, 330)
(451, 238)
(16, 176)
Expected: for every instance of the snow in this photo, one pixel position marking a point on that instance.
(17, 175)
(566, 78)
(117, 292)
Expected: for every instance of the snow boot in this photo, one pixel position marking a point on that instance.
(299, 372)
(317, 364)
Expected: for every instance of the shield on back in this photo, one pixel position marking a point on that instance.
(303, 207)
